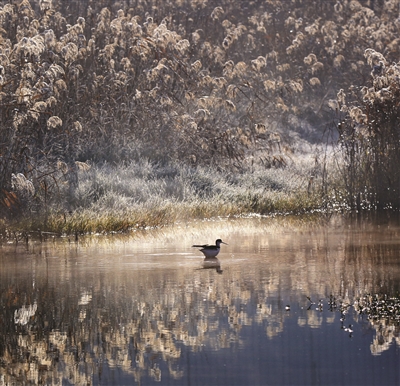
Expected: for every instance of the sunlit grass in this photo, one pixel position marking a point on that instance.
(89, 221)
(109, 199)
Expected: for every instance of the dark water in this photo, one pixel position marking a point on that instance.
(145, 310)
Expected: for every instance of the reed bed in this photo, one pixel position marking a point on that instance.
(117, 113)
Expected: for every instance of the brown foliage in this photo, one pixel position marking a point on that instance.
(187, 81)
(370, 137)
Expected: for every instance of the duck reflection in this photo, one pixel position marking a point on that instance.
(212, 263)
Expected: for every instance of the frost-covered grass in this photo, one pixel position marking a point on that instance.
(110, 198)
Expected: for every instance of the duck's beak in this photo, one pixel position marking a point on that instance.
(224, 243)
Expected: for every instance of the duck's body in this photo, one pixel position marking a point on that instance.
(210, 250)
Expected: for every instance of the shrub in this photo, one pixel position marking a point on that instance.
(370, 137)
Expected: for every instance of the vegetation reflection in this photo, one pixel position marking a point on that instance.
(62, 322)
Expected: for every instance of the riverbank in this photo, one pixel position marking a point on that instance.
(108, 199)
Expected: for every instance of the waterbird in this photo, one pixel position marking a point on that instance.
(210, 250)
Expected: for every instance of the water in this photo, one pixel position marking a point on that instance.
(279, 306)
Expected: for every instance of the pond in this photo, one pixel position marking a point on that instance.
(288, 301)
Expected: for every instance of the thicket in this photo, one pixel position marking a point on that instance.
(224, 84)
(370, 137)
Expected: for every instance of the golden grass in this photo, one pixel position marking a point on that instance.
(81, 222)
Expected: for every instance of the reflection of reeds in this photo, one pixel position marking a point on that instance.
(383, 312)
(130, 315)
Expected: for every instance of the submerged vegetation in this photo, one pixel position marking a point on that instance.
(123, 114)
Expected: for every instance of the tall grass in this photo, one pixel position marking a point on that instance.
(109, 198)
(370, 137)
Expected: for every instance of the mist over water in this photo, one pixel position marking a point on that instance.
(296, 303)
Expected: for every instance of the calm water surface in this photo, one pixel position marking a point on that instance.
(287, 303)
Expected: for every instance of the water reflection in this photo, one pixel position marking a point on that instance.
(123, 311)
(212, 263)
